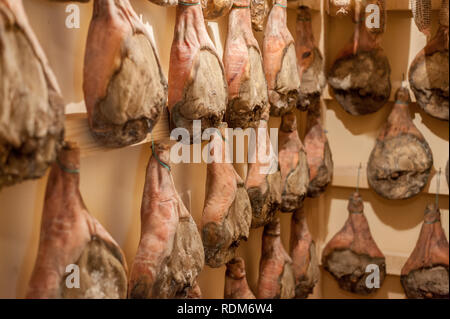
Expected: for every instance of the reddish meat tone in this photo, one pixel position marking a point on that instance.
(124, 87)
(197, 84)
(351, 250)
(425, 273)
(247, 86)
(263, 178)
(318, 153)
(309, 62)
(227, 213)
(293, 165)
(236, 286)
(280, 62)
(276, 277)
(303, 253)
(71, 236)
(170, 254)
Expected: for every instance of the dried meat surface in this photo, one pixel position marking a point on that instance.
(170, 255)
(247, 87)
(425, 273)
(227, 213)
(31, 107)
(400, 164)
(71, 237)
(124, 87)
(236, 286)
(348, 254)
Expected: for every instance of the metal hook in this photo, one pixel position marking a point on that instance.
(357, 181)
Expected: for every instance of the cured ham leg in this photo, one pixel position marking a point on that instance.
(213, 9)
(293, 165)
(197, 84)
(428, 73)
(247, 86)
(340, 8)
(164, 3)
(303, 253)
(425, 273)
(276, 277)
(259, 10)
(170, 254)
(400, 164)
(318, 153)
(31, 107)
(351, 250)
(360, 76)
(309, 62)
(227, 214)
(124, 87)
(280, 62)
(236, 286)
(263, 179)
(70, 236)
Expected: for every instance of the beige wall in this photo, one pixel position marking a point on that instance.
(112, 182)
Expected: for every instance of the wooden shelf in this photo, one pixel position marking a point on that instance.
(77, 130)
(346, 176)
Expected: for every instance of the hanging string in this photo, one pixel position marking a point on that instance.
(66, 169)
(357, 181)
(280, 5)
(157, 158)
(438, 185)
(188, 4)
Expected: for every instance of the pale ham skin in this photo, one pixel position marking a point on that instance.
(236, 286)
(123, 84)
(227, 213)
(347, 255)
(264, 189)
(247, 86)
(425, 273)
(318, 153)
(303, 253)
(68, 232)
(309, 62)
(197, 84)
(293, 165)
(280, 63)
(276, 277)
(170, 254)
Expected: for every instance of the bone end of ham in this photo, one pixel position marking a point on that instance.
(425, 274)
(400, 164)
(170, 255)
(351, 250)
(70, 236)
(236, 286)
(124, 87)
(276, 277)
(32, 109)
